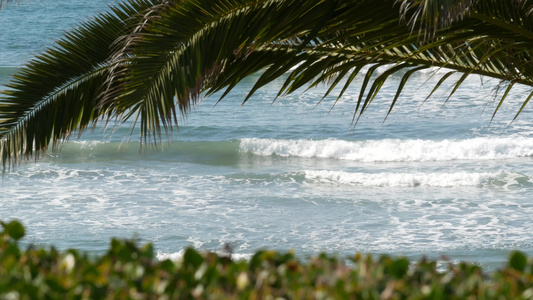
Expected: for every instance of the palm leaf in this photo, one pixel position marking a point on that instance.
(58, 92)
(149, 59)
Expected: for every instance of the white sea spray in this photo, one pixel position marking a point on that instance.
(393, 150)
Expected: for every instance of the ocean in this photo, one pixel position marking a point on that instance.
(435, 179)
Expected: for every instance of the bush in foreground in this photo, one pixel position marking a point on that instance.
(127, 271)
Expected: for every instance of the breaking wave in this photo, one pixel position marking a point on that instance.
(393, 150)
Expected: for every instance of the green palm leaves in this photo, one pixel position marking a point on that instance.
(59, 91)
(146, 60)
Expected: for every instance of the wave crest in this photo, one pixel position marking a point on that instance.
(393, 150)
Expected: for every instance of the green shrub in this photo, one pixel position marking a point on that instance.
(127, 271)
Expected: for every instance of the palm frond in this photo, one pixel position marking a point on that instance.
(191, 46)
(433, 14)
(471, 46)
(58, 92)
(147, 60)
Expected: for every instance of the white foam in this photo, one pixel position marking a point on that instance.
(178, 256)
(382, 69)
(435, 70)
(393, 150)
(401, 179)
(87, 143)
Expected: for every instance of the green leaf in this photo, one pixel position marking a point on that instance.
(398, 268)
(456, 86)
(509, 87)
(518, 261)
(442, 79)
(11, 250)
(148, 251)
(14, 229)
(523, 105)
(257, 261)
(401, 86)
(192, 258)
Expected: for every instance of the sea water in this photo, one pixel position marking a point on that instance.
(433, 179)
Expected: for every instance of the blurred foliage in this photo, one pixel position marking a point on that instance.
(127, 271)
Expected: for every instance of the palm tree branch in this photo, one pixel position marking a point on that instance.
(56, 93)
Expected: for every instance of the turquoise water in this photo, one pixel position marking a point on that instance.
(283, 175)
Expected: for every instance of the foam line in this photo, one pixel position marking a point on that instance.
(393, 150)
(403, 179)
